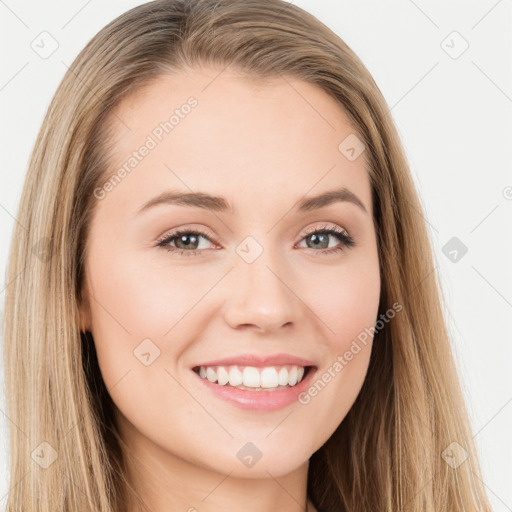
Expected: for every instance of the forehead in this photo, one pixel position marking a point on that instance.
(232, 135)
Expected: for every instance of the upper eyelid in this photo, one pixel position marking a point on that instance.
(174, 233)
(326, 227)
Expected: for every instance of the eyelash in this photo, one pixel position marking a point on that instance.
(346, 240)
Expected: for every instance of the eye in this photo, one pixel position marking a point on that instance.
(319, 238)
(187, 241)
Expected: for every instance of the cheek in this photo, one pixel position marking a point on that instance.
(135, 308)
(139, 298)
(348, 307)
(134, 314)
(348, 304)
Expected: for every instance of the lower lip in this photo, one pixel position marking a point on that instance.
(259, 400)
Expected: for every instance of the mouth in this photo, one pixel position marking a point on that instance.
(254, 378)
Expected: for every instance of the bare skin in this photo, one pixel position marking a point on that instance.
(264, 147)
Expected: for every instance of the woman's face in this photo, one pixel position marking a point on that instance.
(252, 273)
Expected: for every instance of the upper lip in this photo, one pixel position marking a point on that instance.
(259, 360)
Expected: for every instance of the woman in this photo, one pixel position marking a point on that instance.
(202, 166)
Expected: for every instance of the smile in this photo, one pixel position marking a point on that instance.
(252, 378)
(262, 389)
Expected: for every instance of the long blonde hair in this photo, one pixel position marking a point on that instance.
(388, 454)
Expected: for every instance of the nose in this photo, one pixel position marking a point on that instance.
(262, 296)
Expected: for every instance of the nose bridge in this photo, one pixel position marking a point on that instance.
(261, 295)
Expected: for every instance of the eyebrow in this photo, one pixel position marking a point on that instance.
(221, 204)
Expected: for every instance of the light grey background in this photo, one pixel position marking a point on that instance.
(453, 112)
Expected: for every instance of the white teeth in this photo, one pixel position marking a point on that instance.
(283, 377)
(222, 376)
(211, 374)
(235, 376)
(270, 377)
(251, 377)
(292, 376)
